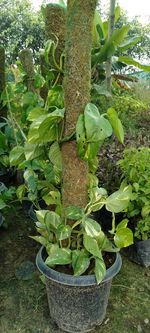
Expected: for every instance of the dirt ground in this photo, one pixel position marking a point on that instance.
(23, 304)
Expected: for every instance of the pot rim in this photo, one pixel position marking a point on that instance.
(84, 280)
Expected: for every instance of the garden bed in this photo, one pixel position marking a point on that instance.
(23, 305)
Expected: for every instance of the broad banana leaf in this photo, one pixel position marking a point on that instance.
(129, 61)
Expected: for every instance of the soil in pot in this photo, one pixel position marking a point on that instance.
(77, 304)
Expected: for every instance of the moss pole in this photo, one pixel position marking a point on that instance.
(28, 66)
(77, 84)
(55, 18)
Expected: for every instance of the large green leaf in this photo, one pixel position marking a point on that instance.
(80, 136)
(92, 228)
(97, 22)
(40, 214)
(119, 200)
(52, 221)
(97, 127)
(2, 204)
(129, 61)
(91, 246)
(40, 239)
(33, 135)
(16, 156)
(31, 179)
(116, 124)
(32, 151)
(56, 97)
(59, 257)
(74, 213)
(111, 45)
(20, 192)
(36, 113)
(123, 237)
(63, 231)
(55, 155)
(129, 42)
(97, 199)
(49, 129)
(100, 269)
(82, 263)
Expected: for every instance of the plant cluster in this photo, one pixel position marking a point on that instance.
(135, 167)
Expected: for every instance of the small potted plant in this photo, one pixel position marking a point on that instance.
(135, 167)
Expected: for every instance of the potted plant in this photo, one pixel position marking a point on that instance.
(77, 279)
(135, 167)
(75, 258)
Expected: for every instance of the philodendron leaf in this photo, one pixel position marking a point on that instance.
(2, 204)
(40, 239)
(92, 228)
(16, 156)
(119, 200)
(123, 237)
(116, 124)
(63, 232)
(82, 263)
(31, 179)
(21, 191)
(74, 213)
(49, 129)
(32, 151)
(36, 113)
(97, 127)
(91, 246)
(40, 214)
(55, 155)
(52, 221)
(100, 269)
(122, 224)
(80, 136)
(59, 257)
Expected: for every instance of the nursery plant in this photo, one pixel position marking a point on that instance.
(74, 242)
(135, 167)
(59, 157)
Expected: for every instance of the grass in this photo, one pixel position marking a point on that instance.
(24, 308)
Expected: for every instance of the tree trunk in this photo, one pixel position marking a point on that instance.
(77, 85)
(28, 66)
(110, 31)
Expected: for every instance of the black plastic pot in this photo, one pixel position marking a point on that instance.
(77, 304)
(1, 219)
(6, 177)
(32, 208)
(139, 252)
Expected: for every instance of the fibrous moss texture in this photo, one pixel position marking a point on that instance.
(77, 84)
(28, 66)
(2, 69)
(55, 18)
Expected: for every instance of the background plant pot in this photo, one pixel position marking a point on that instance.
(139, 252)
(1, 219)
(32, 208)
(77, 304)
(6, 176)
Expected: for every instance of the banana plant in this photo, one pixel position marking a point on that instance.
(114, 45)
